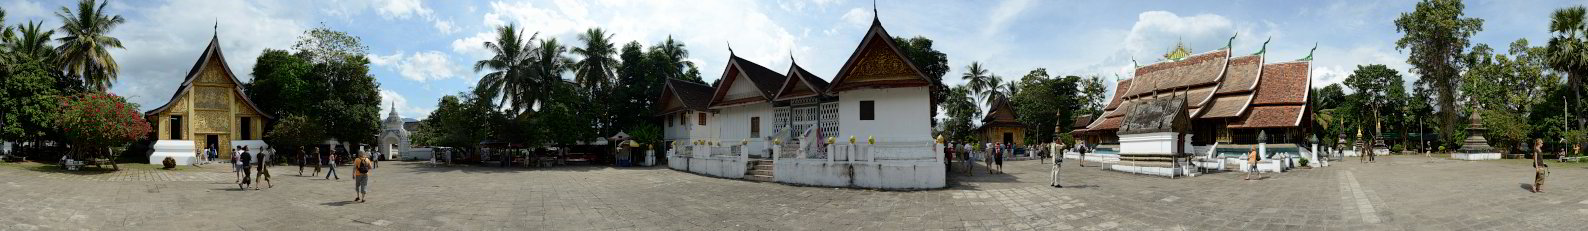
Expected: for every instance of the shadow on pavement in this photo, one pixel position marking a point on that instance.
(337, 203)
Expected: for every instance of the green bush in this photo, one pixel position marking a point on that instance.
(1303, 161)
(1397, 148)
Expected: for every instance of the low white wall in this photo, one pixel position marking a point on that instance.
(883, 166)
(1147, 143)
(727, 166)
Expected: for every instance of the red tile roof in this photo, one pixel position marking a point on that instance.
(1272, 117)
(1243, 74)
(1119, 93)
(1283, 84)
(1225, 106)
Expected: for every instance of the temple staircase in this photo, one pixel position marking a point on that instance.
(760, 170)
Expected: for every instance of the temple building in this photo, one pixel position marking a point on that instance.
(1229, 102)
(870, 127)
(208, 109)
(1001, 125)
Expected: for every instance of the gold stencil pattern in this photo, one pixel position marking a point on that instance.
(210, 98)
(879, 63)
(213, 122)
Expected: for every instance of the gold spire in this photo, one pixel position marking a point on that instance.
(1178, 53)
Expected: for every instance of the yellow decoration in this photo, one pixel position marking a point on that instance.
(777, 141)
(939, 139)
(830, 140)
(851, 139)
(634, 144)
(871, 140)
(744, 142)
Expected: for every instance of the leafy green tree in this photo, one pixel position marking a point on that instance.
(327, 80)
(1374, 85)
(280, 85)
(1044, 103)
(960, 105)
(933, 63)
(296, 131)
(1094, 95)
(85, 50)
(1437, 35)
(31, 83)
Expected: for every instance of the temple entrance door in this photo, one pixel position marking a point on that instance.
(213, 140)
(1009, 138)
(802, 118)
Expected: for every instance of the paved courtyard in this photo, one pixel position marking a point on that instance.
(1398, 193)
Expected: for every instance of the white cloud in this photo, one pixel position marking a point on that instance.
(444, 26)
(857, 17)
(21, 11)
(473, 46)
(402, 9)
(421, 66)
(388, 98)
(1000, 17)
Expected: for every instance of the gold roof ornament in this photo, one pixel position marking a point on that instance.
(1178, 53)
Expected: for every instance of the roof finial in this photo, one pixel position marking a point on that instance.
(730, 47)
(874, 9)
(1133, 63)
(217, 31)
(1232, 40)
(1309, 53)
(1265, 46)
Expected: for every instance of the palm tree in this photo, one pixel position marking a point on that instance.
(595, 71)
(32, 42)
(673, 54)
(976, 78)
(509, 77)
(85, 48)
(995, 90)
(1568, 50)
(549, 61)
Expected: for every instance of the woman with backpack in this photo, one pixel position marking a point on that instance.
(361, 166)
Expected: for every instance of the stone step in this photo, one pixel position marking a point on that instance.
(766, 172)
(764, 178)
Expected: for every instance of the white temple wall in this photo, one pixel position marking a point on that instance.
(902, 114)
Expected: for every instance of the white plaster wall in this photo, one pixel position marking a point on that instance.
(734, 125)
(881, 175)
(181, 150)
(902, 114)
(1147, 143)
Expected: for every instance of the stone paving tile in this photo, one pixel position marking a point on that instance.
(1401, 193)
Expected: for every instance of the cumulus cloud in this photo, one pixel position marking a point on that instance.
(420, 66)
(20, 11)
(402, 8)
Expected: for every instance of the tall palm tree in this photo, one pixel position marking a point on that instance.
(996, 89)
(673, 54)
(596, 70)
(976, 78)
(549, 61)
(85, 48)
(1568, 50)
(508, 79)
(32, 42)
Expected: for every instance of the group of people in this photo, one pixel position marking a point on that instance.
(243, 161)
(252, 170)
(993, 155)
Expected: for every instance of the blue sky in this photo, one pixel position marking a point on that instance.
(423, 50)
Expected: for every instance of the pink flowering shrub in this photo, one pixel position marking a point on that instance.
(100, 120)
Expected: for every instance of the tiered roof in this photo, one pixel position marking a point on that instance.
(212, 53)
(680, 95)
(765, 81)
(1001, 115)
(1215, 85)
(801, 84)
(877, 63)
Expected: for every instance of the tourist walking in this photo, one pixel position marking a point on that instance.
(1081, 150)
(302, 159)
(264, 167)
(361, 166)
(1540, 170)
(237, 164)
(998, 158)
(314, 152)
(1251, 163)
(1056, 163)
(245, 160)
(330, 167)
